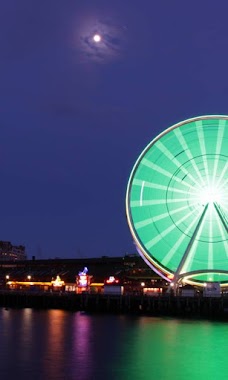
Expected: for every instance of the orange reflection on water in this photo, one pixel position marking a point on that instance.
(54, 369)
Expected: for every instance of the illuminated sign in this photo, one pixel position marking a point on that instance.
(57, 282)
(83, 278)
(112, 280)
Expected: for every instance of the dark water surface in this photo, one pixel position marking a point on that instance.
(56, 344)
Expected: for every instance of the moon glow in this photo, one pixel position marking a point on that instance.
(97, 38)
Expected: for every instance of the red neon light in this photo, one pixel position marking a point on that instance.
(112, 280)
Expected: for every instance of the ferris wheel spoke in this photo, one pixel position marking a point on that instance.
(181, 138)
(225, 209)
(187, 254)
(161, 201)
(174, 191)
(178, 164)
(219, 140)
(165, 172)
(222, 175)
(141, 193)
(221, 216)
(223, 187)
(156, 239)
(210, 261)
(146, 222)
(222, 233)
(153, 185)
(174, 249)
(201, 138)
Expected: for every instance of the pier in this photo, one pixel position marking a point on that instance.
(161, 306)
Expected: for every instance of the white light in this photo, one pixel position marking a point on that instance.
(210, 195)
(97, 38)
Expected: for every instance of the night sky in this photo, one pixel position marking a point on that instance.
(76, 114)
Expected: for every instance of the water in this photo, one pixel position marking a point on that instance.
(57, 344)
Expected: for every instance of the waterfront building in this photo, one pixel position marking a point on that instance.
(131, 271)
(11, 252)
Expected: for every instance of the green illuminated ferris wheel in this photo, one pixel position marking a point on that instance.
(177, 201)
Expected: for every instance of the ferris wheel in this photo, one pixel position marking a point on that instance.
(177, 201)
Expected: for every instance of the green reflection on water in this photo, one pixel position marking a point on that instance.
(176, 350)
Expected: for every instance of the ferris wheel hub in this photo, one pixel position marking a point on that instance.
(210, 195)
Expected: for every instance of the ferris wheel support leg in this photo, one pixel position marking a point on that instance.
(189, 247)
(221, 216)
(173, 288)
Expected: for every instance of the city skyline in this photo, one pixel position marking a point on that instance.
(85, 86)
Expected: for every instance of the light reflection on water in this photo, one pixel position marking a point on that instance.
(83, 342)
(57, 344)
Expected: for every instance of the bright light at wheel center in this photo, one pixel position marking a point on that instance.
(210, 195)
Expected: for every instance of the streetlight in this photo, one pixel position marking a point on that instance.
(7, 279)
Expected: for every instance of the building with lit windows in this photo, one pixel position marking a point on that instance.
(130, 270)
(9, 252)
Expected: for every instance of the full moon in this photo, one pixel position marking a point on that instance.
(97, 38)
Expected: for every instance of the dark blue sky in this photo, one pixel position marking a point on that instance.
(75, 115)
